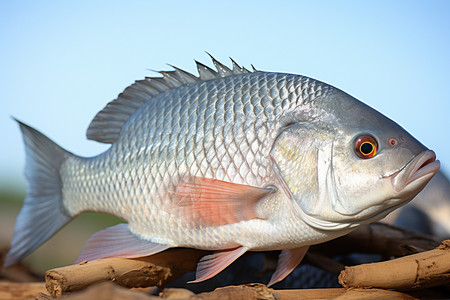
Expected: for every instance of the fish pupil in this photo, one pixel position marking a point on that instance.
(366, 148)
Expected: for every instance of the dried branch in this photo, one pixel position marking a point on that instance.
(110, 291)
(165, 267)
(260, 292)
(104, 291)
(155, 270)
(16, 290)
(422, 270)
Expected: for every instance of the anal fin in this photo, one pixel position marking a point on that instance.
(287, 261)
(118, 241)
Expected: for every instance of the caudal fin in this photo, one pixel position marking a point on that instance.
(43, 212)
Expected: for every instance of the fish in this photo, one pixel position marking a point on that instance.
(232, 160)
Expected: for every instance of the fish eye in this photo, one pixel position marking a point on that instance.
(366, 146)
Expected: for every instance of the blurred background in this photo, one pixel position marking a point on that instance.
(62, 61)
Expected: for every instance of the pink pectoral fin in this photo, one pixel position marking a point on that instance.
(287, 262)
(117, 241)
(211, 265)
(212, 202)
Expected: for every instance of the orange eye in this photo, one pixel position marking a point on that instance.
(366, 147)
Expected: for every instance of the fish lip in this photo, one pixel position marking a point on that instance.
(421, 165)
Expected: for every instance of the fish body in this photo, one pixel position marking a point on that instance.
(207, 137)
(229, 161)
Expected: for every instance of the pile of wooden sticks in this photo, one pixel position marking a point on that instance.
(412, 265)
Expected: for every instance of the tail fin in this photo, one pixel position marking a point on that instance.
(43, 212)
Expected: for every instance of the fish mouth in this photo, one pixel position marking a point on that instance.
(420, 169)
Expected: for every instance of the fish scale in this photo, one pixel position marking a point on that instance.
(236, 159)
(230, 161)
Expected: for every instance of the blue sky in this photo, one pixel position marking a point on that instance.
(62, 61)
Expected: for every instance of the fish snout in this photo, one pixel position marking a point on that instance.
(419, 171)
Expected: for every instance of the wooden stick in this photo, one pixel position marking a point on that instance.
(105, 291)
(110, 291)
(426, 269)
(260, 291)
(164, 267)
(155, 270)
(340, 294)
(20, 290)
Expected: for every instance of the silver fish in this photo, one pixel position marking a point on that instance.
(233, 160)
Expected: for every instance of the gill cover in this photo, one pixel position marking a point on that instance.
(303, 160)
(300, 155)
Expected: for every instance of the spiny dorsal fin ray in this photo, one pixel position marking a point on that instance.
(184, 76)
(107, 124)
(205, 72)
(237, 69)
(223, 70)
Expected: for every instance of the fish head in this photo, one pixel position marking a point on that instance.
(345, 164)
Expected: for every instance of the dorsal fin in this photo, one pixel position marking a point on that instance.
(205, 72)
(107, 124)
(237, 69)
(221, 68)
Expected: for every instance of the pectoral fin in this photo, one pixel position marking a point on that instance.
(117, 241)
(212, 202)
(211, 265)
(287, 262)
